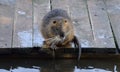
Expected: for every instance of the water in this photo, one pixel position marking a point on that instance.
(59, 65)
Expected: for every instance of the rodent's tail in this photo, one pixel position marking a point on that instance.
(77, 45)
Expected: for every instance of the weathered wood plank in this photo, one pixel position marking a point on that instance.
(60, 4)
(41, 7)
(6, 22)
(79, 14)
(113, 9)
(22, 36)
(100, 24)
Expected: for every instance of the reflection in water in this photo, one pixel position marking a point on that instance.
(3, 70)
(115, 68)
(61, 65)
(21, 69)
(37, 69)
(90, 70)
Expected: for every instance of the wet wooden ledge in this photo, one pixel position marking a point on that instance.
(61, 56)
(64, 53)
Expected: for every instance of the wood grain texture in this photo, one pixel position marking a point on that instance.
(41, 8)
(100, 24)
(6, 22)
(79, 14)
(60, 4)
(93, 20)
(22, 36)
(113, 9)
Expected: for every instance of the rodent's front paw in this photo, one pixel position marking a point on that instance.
(53, 47)
(45, 46)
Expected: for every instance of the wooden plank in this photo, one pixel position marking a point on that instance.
(22, 36)
(60, 4)
(113, 9)
(6, 21)
(79, 14)
(41, 7)
(100, 24)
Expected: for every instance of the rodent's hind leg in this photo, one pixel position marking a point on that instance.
(77, 45)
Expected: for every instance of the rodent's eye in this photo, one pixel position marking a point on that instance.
(54, 22)
(65, 21)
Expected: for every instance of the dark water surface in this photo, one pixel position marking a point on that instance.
(59, 65)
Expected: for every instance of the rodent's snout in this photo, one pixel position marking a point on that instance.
(62, 34)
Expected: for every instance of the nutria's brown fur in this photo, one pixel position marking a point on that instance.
(57, 29)
(58, 23)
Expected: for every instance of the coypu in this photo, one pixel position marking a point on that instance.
(57, 29)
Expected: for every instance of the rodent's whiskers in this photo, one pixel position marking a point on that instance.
(57, 39)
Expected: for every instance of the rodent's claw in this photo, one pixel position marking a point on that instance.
(53, 47)
(62, 40)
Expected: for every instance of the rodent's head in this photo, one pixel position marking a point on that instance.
(59, 26)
